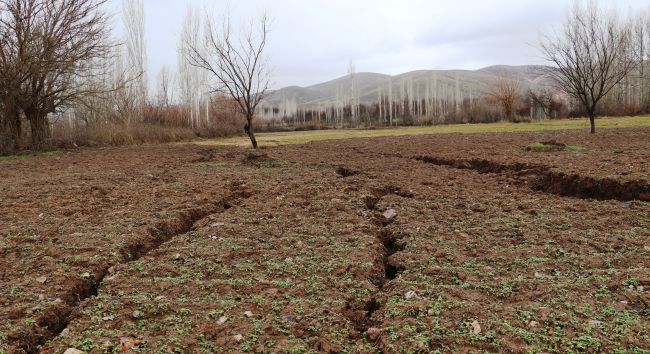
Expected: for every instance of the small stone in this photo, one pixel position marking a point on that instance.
(594, 323)
(335, 200)
(137, 314)
(624, 302)
(177, 256)
(42, 297)
(111, 269)
(374, 333)
(217, 224)
(73, 351)
(646, 248)
(410, 295)
(160, 298)
(42, 279)
(65, 332)
(238, 338)
(36, 309)
(476, 327)
(539, 275)
(626, 205)
(127, 343)
(533, 324)
(288, 318)
(248, 314)
(108, 318)
(85, 275)
(41, 215)
(640, 288)
(389, 214)
(222, 320)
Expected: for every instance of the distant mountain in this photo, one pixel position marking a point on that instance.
(420, 83)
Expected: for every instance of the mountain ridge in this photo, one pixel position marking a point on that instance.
(368, 86)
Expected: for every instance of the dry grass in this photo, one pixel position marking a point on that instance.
(108, 134)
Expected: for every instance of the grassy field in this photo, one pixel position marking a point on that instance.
(275, 139)
(28, 154)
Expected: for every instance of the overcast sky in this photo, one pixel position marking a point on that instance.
(312, 40)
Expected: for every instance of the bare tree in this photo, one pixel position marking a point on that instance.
(546, 100)
(354, 106)
(190, 76)
(590, 57)
(16, 22)
(506, 92)
(50, 47)
(640, 37)
(165, 87)
(237, 63)
(133, 17)
(10, 79)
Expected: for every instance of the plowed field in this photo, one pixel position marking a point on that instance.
(448, 243)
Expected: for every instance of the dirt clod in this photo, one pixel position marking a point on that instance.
(374, 333)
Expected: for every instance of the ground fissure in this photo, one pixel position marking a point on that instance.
(544, 179)
(55, 319)
(389, 245)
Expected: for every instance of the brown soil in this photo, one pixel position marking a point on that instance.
(390, 244)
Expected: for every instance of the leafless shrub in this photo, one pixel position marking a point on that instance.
(506, 92)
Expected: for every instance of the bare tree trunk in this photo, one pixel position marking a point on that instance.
(251, 134)
(12, 129)
(7, 139)
(40, 130)
(592, 121)
(16, 129)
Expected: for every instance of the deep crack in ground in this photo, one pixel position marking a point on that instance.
(390, 245)
(55, 319)
(543, 179)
